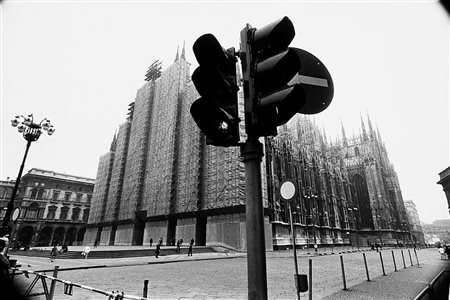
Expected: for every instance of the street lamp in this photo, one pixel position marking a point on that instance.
(31, 132)
(354, 210)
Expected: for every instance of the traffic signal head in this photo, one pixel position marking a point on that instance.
(216, 112)
(276, 86)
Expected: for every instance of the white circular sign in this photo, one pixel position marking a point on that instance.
(287, 190)
(15, 213)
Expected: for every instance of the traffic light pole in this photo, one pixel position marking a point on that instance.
(252, 153)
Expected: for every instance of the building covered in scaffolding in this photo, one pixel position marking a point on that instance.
(161, 180)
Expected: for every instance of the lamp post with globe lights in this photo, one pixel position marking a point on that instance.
(31, 132)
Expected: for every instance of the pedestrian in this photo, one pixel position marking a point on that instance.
(157, 250)
(151, 241)
(64, 248)
(441, 252)
(160, 241)
(447, 252)
(86, 251)
(191, 244)
(178, 247)
(53, 253)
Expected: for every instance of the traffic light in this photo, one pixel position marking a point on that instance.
(216, 111)
(275, 88)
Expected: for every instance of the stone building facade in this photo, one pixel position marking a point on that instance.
(54, 208)
(160, 180)
(416, 227)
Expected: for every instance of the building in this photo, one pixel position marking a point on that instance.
(445, 182)
(160, 180)
(414, 221)
(437, 233)
(54, 208)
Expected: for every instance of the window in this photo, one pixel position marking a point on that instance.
(40, 194)
(67, 196)
(75, 214)
(56, 195)
(89, 198)
(79, 197)
(86, 215)
(64, 213)
(51, 212)
(33, 193)
(32, 211)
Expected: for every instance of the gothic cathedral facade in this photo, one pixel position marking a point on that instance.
(160, 180)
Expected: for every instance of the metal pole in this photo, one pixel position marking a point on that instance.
(145, 291)
(410, 259)
(356, 230)
(365, 264)
(252, 153)
(295, 251)
(393, 258)
(310, 279)
(52, 285)
(382, 264)
(343, 273)
(403, 257)
(10, 206)
(417, 258)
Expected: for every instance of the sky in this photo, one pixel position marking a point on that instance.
(80, 63)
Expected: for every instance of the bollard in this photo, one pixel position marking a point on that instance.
(144, 294)
(393, 258)
(343, 273)
(365, 264)
(410, 259)
(310, 279)
(382, 264)
(417, 258)
(403, 257)
(52, 285)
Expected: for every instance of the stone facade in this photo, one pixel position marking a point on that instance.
(54, 208)
(175, 186)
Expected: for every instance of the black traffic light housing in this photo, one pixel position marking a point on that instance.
(273, 88)
(216, 111)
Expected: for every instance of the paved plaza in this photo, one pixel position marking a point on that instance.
(224, 275)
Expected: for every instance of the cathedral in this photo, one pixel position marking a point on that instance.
(159, 179)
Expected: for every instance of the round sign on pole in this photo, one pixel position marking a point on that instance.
(15, 214)
(287, 190)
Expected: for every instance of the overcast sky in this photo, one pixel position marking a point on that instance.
(80, 64)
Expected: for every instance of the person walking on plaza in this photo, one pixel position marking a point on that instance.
(178, 246)
(191, 244)
(441, 252)
(53, 253)
(151, 241)
(86, 251)
(157, 250)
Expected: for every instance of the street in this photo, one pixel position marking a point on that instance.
(227, 278)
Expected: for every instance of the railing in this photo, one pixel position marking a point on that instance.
(438, 287)
(68, 286)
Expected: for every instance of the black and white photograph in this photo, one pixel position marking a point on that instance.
(224, 149)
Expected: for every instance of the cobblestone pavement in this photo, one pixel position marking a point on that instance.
(224, 275)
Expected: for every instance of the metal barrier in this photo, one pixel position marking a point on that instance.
(438, 288)
(68, 286)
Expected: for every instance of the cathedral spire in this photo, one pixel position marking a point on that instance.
(177, 57)
(371, 131)
(113, 143)
(363, 128)
(183, 52)
(344, 137)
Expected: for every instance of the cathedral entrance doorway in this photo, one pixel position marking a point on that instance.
(171, 230)
(200, 231)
